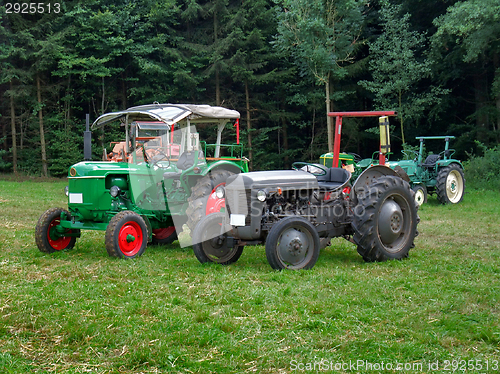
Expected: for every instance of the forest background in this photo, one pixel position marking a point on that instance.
(282, 64)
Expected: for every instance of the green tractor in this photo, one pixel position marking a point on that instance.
(165, 177)
(439, 173)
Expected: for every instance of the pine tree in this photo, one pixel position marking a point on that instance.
(397, 69)
(321, 37)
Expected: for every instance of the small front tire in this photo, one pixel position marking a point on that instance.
(126, 235)
(47, 237)
(420, 194)
(292, 243)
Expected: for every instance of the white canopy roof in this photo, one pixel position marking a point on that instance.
(169, 113)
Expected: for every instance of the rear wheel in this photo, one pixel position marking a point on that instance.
(126, 235)
(385, 220)
(292, 243)
(210, 243)
(203, 200)
(48, 236)
(450, 184)
(164, 235)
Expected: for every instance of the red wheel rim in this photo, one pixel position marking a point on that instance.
(214, 204)
(130, 238)
(60, 243)
(163, 233)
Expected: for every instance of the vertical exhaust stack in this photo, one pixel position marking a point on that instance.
(87, 140)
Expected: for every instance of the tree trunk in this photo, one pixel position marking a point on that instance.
(329, 120)
(400, 94)
(13, 128)
(67, 122)
(286, 160)
(217, 78)
(496, 65)
(312, 133)
(124, 91)
(249, 126)
(103, 108)
(40, 121)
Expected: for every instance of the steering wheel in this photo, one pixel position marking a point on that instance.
(158, 157)
(357, 158)
(314, 169)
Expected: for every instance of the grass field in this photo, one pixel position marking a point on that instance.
(80, 311)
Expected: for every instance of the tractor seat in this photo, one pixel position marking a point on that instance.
(333, 179)
(186, 160)
(431, 160)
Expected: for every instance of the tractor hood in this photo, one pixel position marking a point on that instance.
(100, 169)
(169, 114)
(285, 179)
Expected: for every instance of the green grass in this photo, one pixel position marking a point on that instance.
(80, 311)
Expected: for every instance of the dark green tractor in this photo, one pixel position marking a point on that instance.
(438, 173)
(162, 177)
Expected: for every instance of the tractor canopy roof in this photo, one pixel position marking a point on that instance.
(169, 114)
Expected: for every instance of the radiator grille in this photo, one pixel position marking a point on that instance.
(239, 202)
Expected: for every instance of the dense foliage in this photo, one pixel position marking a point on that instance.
(484, 172)
(277, 62)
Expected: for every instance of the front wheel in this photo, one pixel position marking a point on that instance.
(292, 243)
(49, 237)
(385, 220)
(210, 243)
(450, 184)
(126, 235)
(420, 194)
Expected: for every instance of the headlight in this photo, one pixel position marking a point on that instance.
(261, 195)
(219, 192)
(114, 191)
(66, 190)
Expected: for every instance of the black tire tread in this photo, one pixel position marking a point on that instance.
(442, 196)
(275, 233)
(114, 224)
(365, 235)
(198, 245)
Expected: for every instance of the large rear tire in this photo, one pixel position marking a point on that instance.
(210, 245)
(385, 220)
(450, 184)
(166, 235)
(47, 237)
(126, 235)
(203, 201)
(292, 243)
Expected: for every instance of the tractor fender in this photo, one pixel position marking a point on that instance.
(368, 176)
(224, 165)
(444, 163)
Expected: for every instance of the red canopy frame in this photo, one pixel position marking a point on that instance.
(338, 129)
